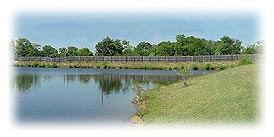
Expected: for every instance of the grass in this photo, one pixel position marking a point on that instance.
(227, 96)
(132, 65)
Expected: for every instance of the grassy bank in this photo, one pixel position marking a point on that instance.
(227, 96)
(132, 65)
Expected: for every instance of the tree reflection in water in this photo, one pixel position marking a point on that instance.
(108, 83)
(25, 82)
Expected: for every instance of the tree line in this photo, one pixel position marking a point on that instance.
(183, 46)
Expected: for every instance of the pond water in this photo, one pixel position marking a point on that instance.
(81, 95)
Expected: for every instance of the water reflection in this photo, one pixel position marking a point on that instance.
(25, 82)
(81, 94)
(108, 83)
(84, 79)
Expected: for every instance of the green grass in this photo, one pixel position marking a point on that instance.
(227, 96)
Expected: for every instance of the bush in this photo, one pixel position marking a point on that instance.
(42, 65)
(71, 66)
(182, 66)
(245, 60)
(104, 64)
(209, 67)
(53, 65)
(35, 63)
(221, 67)
(194, 67)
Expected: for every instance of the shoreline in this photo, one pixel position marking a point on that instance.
(202, 102)
(132, 65)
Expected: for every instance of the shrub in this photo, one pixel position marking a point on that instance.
(71, 66)
(42, 65)
(185, 74)
(182, 66)
(35, 63)
(53, 65)
(194, 67)
(222, 67)
(245, 60)
(209, 67)
(104, 64)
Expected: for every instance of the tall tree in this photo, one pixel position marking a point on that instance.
(37, 49)
(165, 49)
(129, 51)
(109, 47)
(49, 51)
(72, 51)
(63, 52)
(23, 48)
(179, 45)
(230, 46)
(84, 52)
(144, 48)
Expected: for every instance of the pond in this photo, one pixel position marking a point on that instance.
(81, 95)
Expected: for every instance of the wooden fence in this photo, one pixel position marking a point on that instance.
(207, 58)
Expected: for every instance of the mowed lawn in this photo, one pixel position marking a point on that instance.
(227, 96)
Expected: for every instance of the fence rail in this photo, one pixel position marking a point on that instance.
(207, 58)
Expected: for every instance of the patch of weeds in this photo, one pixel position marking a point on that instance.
(71, 66)
(104, 64)
(245, 60)
(41, 65)
(209, 67)
(221, 67)
(141, 100)
(194, 67)
(53, 65)
(35, 64)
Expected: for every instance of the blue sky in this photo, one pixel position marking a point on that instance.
(85, 30)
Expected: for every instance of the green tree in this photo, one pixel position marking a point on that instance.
(210, 46)
(129, 51)
(230, 46)
(63, 52)
(179, 45)
(72, 51)
(23, 48)
(109, 47)
(180, 38)
(253, 48)
(37, 49)
(49, 51)
(165, 49)
(84, 52)
(118, 47)
(144, 48)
